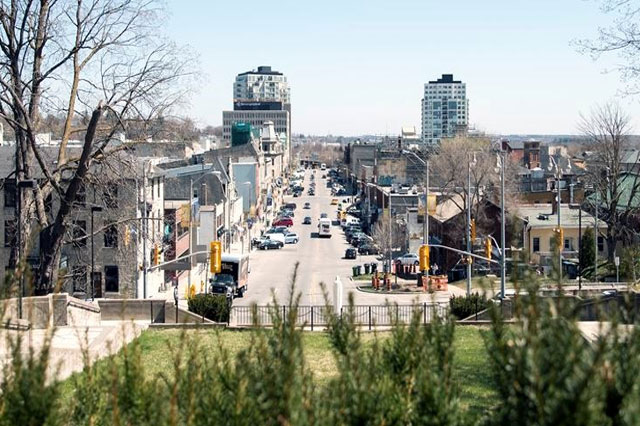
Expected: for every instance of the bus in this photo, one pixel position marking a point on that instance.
(324, 228)
(233, 279)
(323, 166)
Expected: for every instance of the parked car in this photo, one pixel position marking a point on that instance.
(368, 248)
(307, 205)
(271, 245)
(307, 220)
(281, 230)
(291, 206)
(291, 238)
(311, 193)
(289, 213)
(409, 259)
(283, 221)
(334, 201)
(350, 253)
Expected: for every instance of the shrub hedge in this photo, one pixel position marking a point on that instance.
(213, 306)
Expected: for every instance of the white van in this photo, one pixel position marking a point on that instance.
(276, 237)
(324, 228)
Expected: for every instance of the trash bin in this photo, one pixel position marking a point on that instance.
(367, 268)
(374, 267)
(359, 268)
(355, 270)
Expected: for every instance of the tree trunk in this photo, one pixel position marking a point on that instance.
(53, 236)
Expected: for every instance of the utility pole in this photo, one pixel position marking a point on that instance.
(595, 240)
(144, 230)
(503, 255)
(469, 226)
(190, 232)
(560, 234)
(425, 220)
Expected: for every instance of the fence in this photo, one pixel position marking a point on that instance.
(318, 316)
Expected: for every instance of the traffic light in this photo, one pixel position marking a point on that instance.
(488, 247)
(423, 254)
(473, 230)
(215, 257)
(127, 236)
(156, 255)
(559, 232)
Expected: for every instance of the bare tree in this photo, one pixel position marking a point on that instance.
(385, 238)
(607, 130)
(103, 66)
(620, 38)
(450, 171)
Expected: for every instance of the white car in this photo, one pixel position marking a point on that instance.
(291, 238)
(409, 259)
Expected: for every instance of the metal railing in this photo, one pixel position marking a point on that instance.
(318, 316)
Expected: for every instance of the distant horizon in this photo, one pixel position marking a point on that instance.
(363, 70)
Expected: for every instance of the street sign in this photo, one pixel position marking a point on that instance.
(616, 261)
(176, 266)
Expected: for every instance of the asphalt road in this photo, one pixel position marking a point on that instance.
(320, 260)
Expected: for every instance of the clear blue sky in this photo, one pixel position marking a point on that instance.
(358, 67)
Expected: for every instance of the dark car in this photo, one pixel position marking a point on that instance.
(368, 248)
(307, 205)
(350, 253)
(323, 216)
(271, 245)
(307, 220)
(296, 194)
(290, 206)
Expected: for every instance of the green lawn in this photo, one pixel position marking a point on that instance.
(472, 372)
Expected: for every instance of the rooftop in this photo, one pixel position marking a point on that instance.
(539, 216)
(445, 79)
(262, 69)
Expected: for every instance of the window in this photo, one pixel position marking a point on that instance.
(600, 243)
(111, 283)
(10, 232)
(536, 244)
(79, 233)
(111, 237)
(110, 196)
(81, 195)
(9, 194)
(79, 278)
(567, 244)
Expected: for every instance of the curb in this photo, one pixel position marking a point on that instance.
(187, 325)
(384, 292)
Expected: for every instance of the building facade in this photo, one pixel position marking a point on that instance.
(445, 109)
(261, 85)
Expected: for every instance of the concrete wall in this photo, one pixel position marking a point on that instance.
(53, 309)
(184, 316)
(132, 310)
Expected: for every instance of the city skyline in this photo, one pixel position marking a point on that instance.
(359, 68)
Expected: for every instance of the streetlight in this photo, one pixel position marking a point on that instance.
(247, 183)
(558, 175)
(469, 201)
(94, 209)
(503, 253)
(27, 183)
(425, 218)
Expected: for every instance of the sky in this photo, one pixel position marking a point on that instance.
(359, 67)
